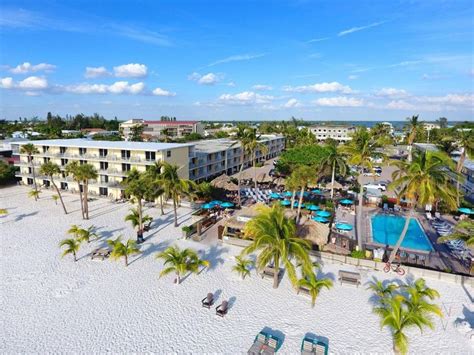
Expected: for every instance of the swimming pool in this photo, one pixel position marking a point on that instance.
(386, 229)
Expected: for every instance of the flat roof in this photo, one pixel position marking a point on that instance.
(217, 145)
(88, 143)
(170, 122)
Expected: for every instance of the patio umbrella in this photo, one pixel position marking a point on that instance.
(288, 194)
(320, 219)
(346, 201)
(227, 204)
(295, 204)
(316, 191)
(285, 203)
(313, 208)
(305, 194)
(323, 214)
(215, 202)
(466, 210)
(275, 195)
(208, 206)
(344, 226)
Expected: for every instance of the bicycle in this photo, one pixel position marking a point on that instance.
(394, 267)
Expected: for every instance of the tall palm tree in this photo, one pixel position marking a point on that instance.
(155, 187)
(412, 127)
(244, 138)
(180, 261)
(314, 285)
(360, 151)
(123, 250)
(465, 142)
(274, 237)
(464, 231)
(72, 247)
(254, 146)
(425, 180)
(136, 219)
(334, 160)
(73, 169)
(174, 186)
(292, 184)
(242, 266)
(50, 170)
(305, 175)
(29, 149)
(87, 172)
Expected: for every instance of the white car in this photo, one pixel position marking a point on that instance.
(375, 173)
(376, 185)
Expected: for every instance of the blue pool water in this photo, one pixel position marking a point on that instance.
(387, 230)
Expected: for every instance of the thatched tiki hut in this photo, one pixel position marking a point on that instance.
(316, 233)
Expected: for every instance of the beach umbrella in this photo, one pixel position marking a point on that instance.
(295, 204)
(323, 214)
(320, 219)
(313, 208)
(215, 202)
(466, 210)
(275, 195)
(346, 201)
(208, 206)
(344, 226)
(285, 203)
(288, 194)
(227, 204)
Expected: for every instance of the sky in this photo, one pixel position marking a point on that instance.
(238, 60)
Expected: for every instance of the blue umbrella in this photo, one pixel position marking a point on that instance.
(295, 204)
(344, 226)
(275, 195)
(466, 210)
(285, 203)
(346, 201)
(288, 194)
(323, 214)
(215, 202)
(316, 191)
(227, 204)
(305, 194)
(208, 206)
(320, 219)
(313, 208)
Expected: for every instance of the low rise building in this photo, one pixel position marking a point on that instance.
(339, 133)
(160, 129)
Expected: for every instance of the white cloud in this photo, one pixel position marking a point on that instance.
(245, 98)
(292, 103)
(231, 84)
(33, 83)
(314, 40)
(119, 87)
(6, 83)
(26, 68)
(320, 87)
(96, 72)
(132, 70)
(315, 56)
(353, 77)
(162, 92)
(207, 79)
(261, 87)
(449, 99)
(236, 58)
(392, 93)
(361, 28)
(400, 105)
(340, 101)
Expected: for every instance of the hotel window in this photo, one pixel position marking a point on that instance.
(45, 148)
(126, 167)
(82, 162)
(104, 178)
(150, 156)
(125, 154)
(46, 160)
(103, 153)
(63, 162)
(104, 165)
(168, 153)
(103, 191)
(82, 151)
(62, 150)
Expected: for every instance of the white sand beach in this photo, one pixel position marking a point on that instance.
(54, 305)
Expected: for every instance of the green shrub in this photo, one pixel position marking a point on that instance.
(358, 254)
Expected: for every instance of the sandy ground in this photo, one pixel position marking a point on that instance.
(51, 304)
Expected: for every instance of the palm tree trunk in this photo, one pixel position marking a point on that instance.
(86, 202)
(30, 158)
(293, 197)
(402, 235)
(298, 216)
(178, 278)
(240, 176)
(333, 178)
(276, 272)
(458, 170)
(81, 199)
(126, 260)
(359, 216)
(75, 257)
(254, 158)
(140, 221)
(59, 194)
(161, 205)
(175, 212)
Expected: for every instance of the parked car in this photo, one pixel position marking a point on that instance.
(372, 173)
(376, 185)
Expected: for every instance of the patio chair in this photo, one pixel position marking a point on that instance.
(258, 344)
(221, 310)
(208, 301)
(429, 216)
(412, 258)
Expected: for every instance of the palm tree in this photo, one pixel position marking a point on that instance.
(72, 247)
(242, 266)
(35, 194)
(360, 151)
(136, 219)
(314, 285)
(174, 186)
(382, 290)
(254, 146)
(87, 172)
(465, 142)
(29, 149)
(154, 183)
(244, 138)
(85, 235)
(305, 176)
(74, 230)
(274, 236)
(413, 126)
(3, 211)
(55, 199)
(292, 184)
(50, 170)
(464, 231)
(425, 180)
(334, 160)
(180, 262)
(73, 169)
(121, 250)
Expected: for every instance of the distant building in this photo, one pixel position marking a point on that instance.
(157, 129)
(429, 126)
(339, 133)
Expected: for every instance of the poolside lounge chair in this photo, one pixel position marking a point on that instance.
(314, 346)
(258, 344)
(208, 301)
(221, 310)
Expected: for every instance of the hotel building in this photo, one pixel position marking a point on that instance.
(198, 161)
(156, 129)
(339, 133)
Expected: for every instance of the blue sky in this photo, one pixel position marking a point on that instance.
(242, 60)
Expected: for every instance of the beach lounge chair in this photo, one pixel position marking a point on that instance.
(208, 301)
(429, 216)
(221, 310)
(314, 346)
(100, 253)
(269, 272)
(258, 344)
(348, 277)
(270, 347)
